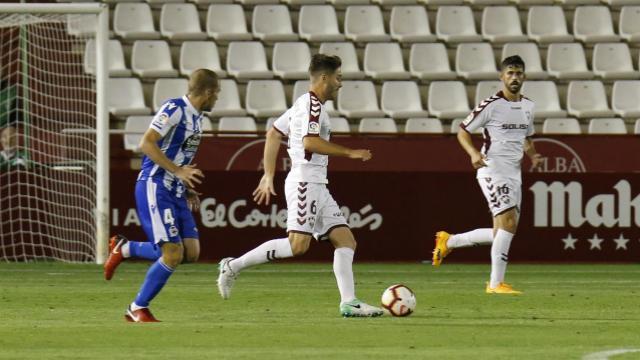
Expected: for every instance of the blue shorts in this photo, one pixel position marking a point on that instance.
(164, 216)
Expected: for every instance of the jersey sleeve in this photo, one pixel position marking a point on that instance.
(281, 124)
(531, 130)
(311, 119)
(167, 117)
(477, 119)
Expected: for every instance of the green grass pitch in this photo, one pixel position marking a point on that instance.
(290, 311)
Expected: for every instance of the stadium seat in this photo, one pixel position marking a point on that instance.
(180, 22)
(155, 3)
(257, 2)
(545, 95)
(383, 61)
(430, 62)
(619, 3)
(377, 125)
(571, 3)
(152, 58)
(530, 54)
(303, 2)
(301, 87)
(237, 124)
(339, 125)
(587, 99)
(364, 24)
(455, 126)
(607, 126)
(394, 2)
(636, 128)
(165, 89)
(82, 25)
(501, 24)
(319, 23)
(272, 23)
(613, 61)
(117, 68)
(567, 61)
(423, 125)
(357, 99)
(125, 97)
(433, 3)
(347, 53)
(561, 126)
(629, 23)
(134, 21)
(527, 3)
(137, 125)
(448, 99)
(593, 24)
(228, 103)
(625, 98)
(487, 88)
(401, 100)
(455, 24)
(200, 55)
(291, 60)
(547, 24)
(227, 22)
(265, 98)
(204, 4)
(410, 24)
(247, 60)
(475, 61)
(206, 124)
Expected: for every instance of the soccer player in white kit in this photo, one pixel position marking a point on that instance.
(312, 212)
(507, 120)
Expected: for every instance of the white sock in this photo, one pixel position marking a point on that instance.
(343, 269)
(125, 250)
(499, 256)
(471, 238)
(135, 306)
(268, 251)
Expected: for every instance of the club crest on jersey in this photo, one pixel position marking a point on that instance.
(314, 128)
(191, 143)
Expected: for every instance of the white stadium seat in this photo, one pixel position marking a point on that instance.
(567, 61)
(364, 24)
(247, 60)
(152, 58)
(265, 98)
(625, 98)
(530, 54)
(423, 125)
(125, 97)
(547, 24)
(272, 23)
(430, 62)
(134, 21)
(383, 61)
(347, 53)
(401, 100)
(432, 3)
(448, 99)
(200, 55)
(527, 3)
(339, 125)
(561, 126)
(137, 125)
(636, 128)
(357, 99)
(629, 23)
(456, 24)
(587, 99)
(237, 124)
(487, 88)
(319, 23)
(180, 22)
(377, 125)
(226, 22)
(607, 126)
(228, 103)
(165, 89)
(394, 2)
(593, 24)
(502, 24)
(545, 95)
(82, 25)
(291, 60)
(410, 24)
(117, 68)
(303, 2)
(475, 61)
(613, 61)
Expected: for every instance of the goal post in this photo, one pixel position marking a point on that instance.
(55, 202)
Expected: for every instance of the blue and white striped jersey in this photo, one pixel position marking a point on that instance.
(180, 125)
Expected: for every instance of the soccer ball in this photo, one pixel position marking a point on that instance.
(399, 300)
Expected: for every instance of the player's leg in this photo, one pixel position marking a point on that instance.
(446, 242)
(191, 250)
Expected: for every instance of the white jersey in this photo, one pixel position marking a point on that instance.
(305, 118)
(506, 126)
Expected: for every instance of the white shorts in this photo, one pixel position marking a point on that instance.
(501, 194)
(311, 209)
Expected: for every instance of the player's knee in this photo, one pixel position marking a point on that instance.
(172, 255)
(191, 251)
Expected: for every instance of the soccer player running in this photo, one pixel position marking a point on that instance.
(507, 119)
(165, 191)
(312, 212)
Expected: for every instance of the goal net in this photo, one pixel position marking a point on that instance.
(49, 186)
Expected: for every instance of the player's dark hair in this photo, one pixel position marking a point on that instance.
(321, 63)
(202, 80)
(514, 60)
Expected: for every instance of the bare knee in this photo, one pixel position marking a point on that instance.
(191, 250)
(508, 221)
(299, 243)
(172, 254)
(342, 237)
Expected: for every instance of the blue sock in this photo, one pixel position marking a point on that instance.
(145, 250)
(157, 276)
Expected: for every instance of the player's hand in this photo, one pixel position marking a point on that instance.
(478, 160)
(360, 154)
(536, 160)
(264, 190)
(193, 200)
(190, 175)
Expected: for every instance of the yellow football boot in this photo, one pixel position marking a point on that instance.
(502, 288)
(440, 251)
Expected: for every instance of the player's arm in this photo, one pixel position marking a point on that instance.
(477, 159)
(318, 145)
(149, 146)
(530, 150)
(271, 147)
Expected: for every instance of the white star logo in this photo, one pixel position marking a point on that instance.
(595, 242)
(621, 242)
(569, 242)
